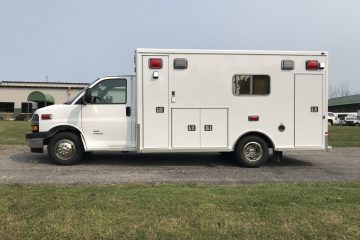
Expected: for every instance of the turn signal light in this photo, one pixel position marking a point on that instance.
(34, 128)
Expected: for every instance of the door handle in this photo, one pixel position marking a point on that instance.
(128, 111)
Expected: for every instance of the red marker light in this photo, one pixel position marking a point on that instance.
(46, 116)
(312, 65)
(155, 63)
(253, 118)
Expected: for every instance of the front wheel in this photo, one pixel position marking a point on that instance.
(65, 148)
(251, 151)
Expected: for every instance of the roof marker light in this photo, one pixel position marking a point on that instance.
(155, 63)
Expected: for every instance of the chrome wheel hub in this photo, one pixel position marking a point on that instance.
(65, 149)
(253, 151)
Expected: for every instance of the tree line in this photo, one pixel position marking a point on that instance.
(341, 90)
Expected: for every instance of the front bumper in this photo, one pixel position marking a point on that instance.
(36, 141)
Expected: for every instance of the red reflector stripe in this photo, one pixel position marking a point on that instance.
(312, 65)
(155, 63)
(253, 118)
(46, 116)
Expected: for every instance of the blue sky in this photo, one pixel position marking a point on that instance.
(79, 41)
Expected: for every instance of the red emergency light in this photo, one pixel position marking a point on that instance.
(155, 63)
(312, 65)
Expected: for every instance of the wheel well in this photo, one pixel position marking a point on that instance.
(268, 141)
(58, 129)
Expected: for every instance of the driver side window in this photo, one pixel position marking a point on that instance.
(111, 91)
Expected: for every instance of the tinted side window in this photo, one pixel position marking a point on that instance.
(251, 85)
(111, 91)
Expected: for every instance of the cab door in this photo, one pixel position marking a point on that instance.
(108, 120)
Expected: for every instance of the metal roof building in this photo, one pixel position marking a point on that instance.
(345, 104)
(22, 98)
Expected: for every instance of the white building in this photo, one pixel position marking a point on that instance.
(20, 99)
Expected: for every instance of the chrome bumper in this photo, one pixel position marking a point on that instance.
(35, 142)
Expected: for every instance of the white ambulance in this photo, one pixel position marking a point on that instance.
(245, 102)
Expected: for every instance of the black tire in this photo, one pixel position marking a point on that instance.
(330, 123)
(256, 148)
(59, 154)
(356, 124)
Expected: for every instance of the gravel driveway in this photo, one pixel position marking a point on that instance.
(18, 165)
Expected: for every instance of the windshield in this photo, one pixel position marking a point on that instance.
(75, 97)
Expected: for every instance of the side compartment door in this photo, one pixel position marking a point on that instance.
(155, 103)
(309, 110)
(185, 128)
(199, 128)
(107, 121)
(214, 128)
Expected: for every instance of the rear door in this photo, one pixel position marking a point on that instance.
(309, 110)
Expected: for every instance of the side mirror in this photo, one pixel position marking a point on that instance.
(87, 96)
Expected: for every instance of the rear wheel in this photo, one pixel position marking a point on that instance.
(251, 151)
(65, 148)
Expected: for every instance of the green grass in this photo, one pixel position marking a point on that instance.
(13, 132)
(344, 136)
(270, 211)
